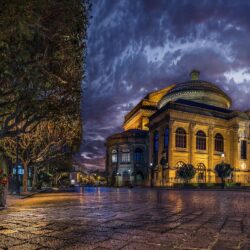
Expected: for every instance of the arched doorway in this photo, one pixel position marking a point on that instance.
(201, 173)
(113, 178)
(125, 178)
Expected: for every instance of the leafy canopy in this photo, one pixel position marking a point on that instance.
(42, 48)
(223, 170)
(186, 172)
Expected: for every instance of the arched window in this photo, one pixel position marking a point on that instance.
(219, 143)
(166, 138)
(138, 155)
(155, 147)
(125, 155)
(200, 140)
(114, 156)
(243, 149)
(180, 138)
(201, 172)
(179, 164)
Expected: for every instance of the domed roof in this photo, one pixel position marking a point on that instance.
(199, 91)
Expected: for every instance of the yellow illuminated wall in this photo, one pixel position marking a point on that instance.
(138, 117)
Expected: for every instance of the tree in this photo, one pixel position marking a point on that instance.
(223, 170)
(47, 142)
(3, 183)
(59, 168)
(42, 48)
(42, 55)
(186, 172)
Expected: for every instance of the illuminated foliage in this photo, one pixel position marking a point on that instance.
(49, 141)
(42, 48)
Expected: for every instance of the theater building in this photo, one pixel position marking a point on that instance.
(186, 123)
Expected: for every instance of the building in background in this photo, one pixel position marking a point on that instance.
(185, 123)
(127, 158)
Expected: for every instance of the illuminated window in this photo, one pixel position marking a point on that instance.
(201, 172)
(166, 138)
(156, 147)
(180, 138)
(179, 164)
(243, 150)
(138, 155)
(125, 155)
(200, 140)
(114, 156)
(219, 143)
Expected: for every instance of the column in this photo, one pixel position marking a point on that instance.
(210, 144)
(171, 147)
(236, 148)
(161, 148)
(191, 143)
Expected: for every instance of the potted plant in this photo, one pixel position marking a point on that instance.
(3, 183)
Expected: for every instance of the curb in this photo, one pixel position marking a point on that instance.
(30, 195)
(38, 192)
(21, 197)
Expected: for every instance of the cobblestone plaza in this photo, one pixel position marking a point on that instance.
(104, 218)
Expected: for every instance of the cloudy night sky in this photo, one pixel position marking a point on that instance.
(137, 46)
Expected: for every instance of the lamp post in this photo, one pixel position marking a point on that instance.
(152, 174)
(222, 157)
(17, 186)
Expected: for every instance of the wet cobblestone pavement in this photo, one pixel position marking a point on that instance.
(128, 219)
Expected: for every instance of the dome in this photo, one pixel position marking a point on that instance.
(198, 91)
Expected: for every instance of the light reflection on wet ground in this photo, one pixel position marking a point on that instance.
(138, 218)
(177, 200)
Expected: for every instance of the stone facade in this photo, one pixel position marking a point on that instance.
(193, 124)
(127, 158)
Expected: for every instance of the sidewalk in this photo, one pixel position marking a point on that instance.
(12, 199)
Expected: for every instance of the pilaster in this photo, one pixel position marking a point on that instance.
(210, 144)
(171, 143)
(191, 142)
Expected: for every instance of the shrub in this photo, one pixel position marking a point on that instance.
(223, 171)
(186, 172)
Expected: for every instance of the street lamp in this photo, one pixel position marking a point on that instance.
(17, 186)
(152, 174)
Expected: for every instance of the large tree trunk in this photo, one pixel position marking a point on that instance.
(57, 179)
(25, 177)
(34, 179)
(3, 195)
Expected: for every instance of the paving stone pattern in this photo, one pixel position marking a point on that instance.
(127, 219)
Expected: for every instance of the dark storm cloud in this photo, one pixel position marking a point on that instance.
(137, 46)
